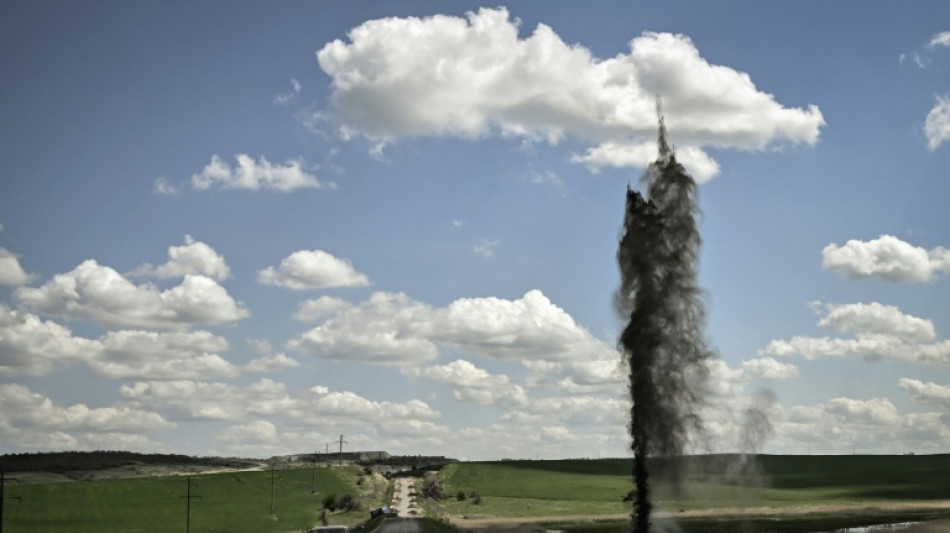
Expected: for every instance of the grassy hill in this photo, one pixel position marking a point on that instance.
(234, 501)
(793, 486)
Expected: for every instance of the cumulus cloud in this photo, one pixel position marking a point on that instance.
(879, 332)
(99, 293)
(940, 39)
(29, 345)
(391, 328)
(194, 257)
(256, 175)
(472, 384)
(621, 154)
(599, 373)
(11, 273)
(843, 425)
(196, 400)
(475, 77)
(382, 330)
(133, 354)
(312, 269)
(271, 363)
(322, 307)
(937, 124)
(769, 369)
(926, 393)
(32, 421)
(887, 258)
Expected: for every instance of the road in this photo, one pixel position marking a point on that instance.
(400, 525)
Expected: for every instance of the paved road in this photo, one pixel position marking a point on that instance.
(400, 525)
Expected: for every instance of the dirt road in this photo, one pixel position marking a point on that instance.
(402, 499)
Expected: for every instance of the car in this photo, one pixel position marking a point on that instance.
(382, 511)
(329, 529)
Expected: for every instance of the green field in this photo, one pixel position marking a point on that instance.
(790, 494)
(232, 502)
(849, 490)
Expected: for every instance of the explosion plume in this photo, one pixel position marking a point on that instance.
(663, 342)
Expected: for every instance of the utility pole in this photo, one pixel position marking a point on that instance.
(273, 493)
(313, 481)
(188, 498)
(3, 496)
(341, 449)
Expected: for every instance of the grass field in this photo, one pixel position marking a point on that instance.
(792, 494)
(232, 502)
(804, 491)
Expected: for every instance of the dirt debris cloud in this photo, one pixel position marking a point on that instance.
(664, 341)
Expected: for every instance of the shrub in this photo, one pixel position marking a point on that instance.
(346, 502)
(475, 498)
(460, 496)
(329, 503)
(431, 488)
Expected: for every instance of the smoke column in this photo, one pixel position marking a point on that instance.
(663, 342)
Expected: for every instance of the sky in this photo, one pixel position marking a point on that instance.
(248, 229)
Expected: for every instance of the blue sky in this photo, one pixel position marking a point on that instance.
(246, 229)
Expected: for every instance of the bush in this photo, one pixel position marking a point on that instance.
(460, 496)
(346, 502)
(431, 488)
(329, 503)
(475, 498)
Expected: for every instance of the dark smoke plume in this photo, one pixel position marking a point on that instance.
(664, 341)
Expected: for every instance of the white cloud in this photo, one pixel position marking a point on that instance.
(769, 369)
(285, 99)
(880, 332)
(312, 269)
(486, 248)
(29, 345)
(194, 257)
(531, 327)
(877, 319)
(927, 393)
(271, 363)
(457, 223)
(11, 273)
(393, 329)
(252, 175)
(577, 409)
(620, 154)
(164, 187)
(937, 124)
(322, 307)
(132, 354)
(940, 39)
(99, 293)
(547, 177)
(599, 373)
(32, 421)
(887, 258)
(474, 77)
(382, 330)
(472, 384)
(844, 425)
